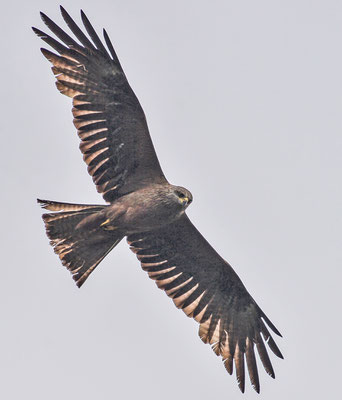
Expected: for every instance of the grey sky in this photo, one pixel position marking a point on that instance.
(243, 101)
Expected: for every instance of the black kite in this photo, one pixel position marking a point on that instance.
(143, 206)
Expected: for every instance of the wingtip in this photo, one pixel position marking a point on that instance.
(257, 389)
(64, 13)
(46, 53)
(38, 32)
(84, 17)
(275, 330)
(242, 387)
(269, 323)
(43, 16)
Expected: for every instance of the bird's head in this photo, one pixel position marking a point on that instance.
(182, 196)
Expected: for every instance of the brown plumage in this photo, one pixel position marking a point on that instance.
(142, 206)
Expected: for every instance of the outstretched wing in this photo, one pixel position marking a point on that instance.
(207, 289)
(111, 124)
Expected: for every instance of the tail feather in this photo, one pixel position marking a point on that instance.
(80, 246)
(56, 206)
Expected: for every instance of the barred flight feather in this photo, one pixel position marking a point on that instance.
(104, 106)
(171, 290)
(230, 321)
(156, 274)
(179, 300)
(189, 305)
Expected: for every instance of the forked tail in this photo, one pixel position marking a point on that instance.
(77, 237)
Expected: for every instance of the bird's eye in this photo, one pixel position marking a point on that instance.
(181, 195)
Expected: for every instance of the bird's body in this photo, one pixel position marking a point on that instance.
(143, 210)
(143, 206)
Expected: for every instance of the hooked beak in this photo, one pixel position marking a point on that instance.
(184, 201)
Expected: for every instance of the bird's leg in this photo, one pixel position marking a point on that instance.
(108, 228)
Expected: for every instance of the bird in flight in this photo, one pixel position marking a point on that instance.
(142, 206)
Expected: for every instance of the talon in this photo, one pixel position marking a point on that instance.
(108, 228)
(107, 221)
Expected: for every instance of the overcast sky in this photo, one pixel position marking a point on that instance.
(244, 105)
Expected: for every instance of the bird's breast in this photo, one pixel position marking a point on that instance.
(146, 212)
